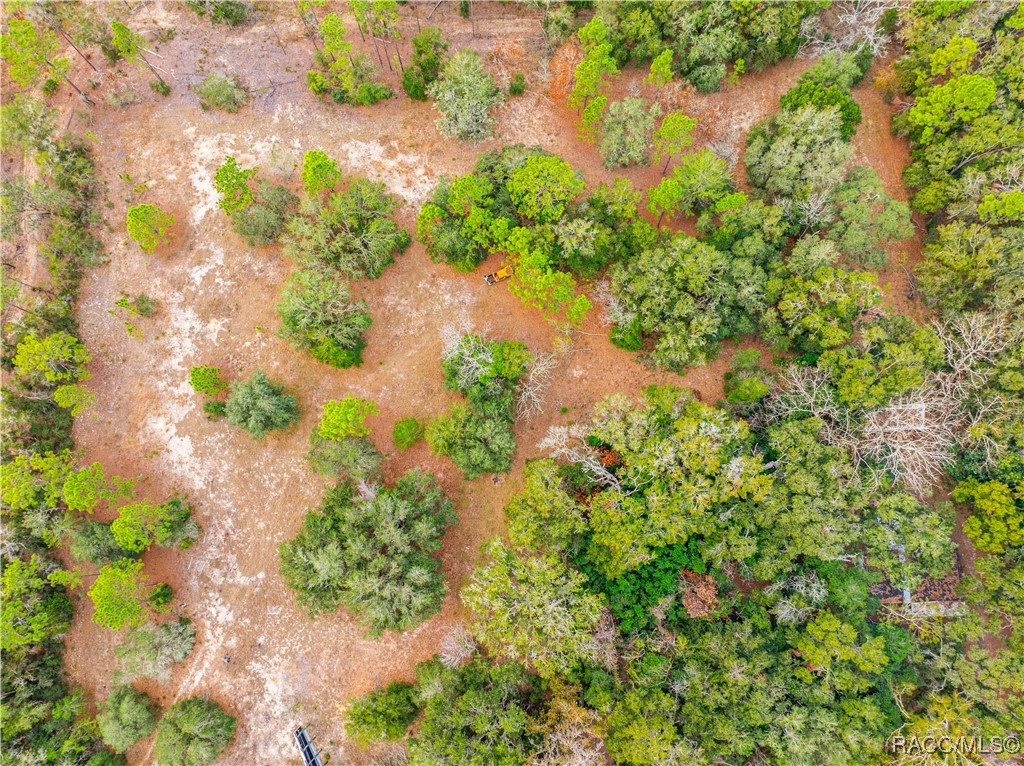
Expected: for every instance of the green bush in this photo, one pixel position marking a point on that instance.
(262, 222)
(476, 445)
(632, 595)
(407, 432)
(517, 85)
(707, 78)
(354, 457)
(126, 717)
(148, 226)
(371, 92)
(413, 84)
(215, 410)
(225, 93)
(160, 86)
(193, 732)
(319, 317)
(373, 554)
(822, 97)
(230, 12)
(382, 714)
(258, 405)
(352, 233)
(150, 650)
(207, 380)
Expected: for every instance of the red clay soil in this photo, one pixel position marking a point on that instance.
(217, 306)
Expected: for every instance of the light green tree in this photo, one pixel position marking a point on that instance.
(672, 136)
(532, 609)
(148, 226)
(346, 418)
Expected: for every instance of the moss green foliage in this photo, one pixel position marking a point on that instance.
(382, 714)
(55, 358)
(230, 12)
(544, 516)
(464, 94)
(746, 382)
(799, 153)
(319, 172)
(626, 133)
(319, 316)
(478, 436)
(454, 700)
(126, 717)
(632, 596)
(45, 718)
(533, 609)
(827, 84)
(428, 49)
(354, 457)
(517, 85)
(352, 232)
(148, 226)
(224, 93)
(698, 40)
(525, 203)
(373, 554)
(193, 732)
(207, 380)
(407, 432)
(258, 405)
(149, 651)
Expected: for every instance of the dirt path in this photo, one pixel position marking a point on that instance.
(217, 300)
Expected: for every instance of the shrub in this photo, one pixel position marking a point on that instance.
(346, 418)
(517, 85)
(626, 133)
(262, 222)
(193, 732)
(215, 410)
(230, 12)
(464, 95)
(476, 445)
(371, 92)
(148, 225)
(140, 524)
(407, 432)
(258, 405)
(707, 78)
(353, 232)
(126, 717)
(746, 383)
(319, 317)
(93, 541)
(225, 93)
(207, 380)
(413, 84)
(373, 554)
(823, 97)
(160, 86)
(355, 458)
(382, 714)
(150, 650)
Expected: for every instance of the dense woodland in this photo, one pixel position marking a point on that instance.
(682, 582)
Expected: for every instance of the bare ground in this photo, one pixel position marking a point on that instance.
(217, 307)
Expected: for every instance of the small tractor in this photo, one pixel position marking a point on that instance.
(500, 275)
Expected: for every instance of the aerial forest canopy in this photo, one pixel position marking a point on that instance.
(512, 384)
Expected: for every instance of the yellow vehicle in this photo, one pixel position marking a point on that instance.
(499, 276)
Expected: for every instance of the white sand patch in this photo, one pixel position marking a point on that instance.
(215, 260)
(402, 173)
